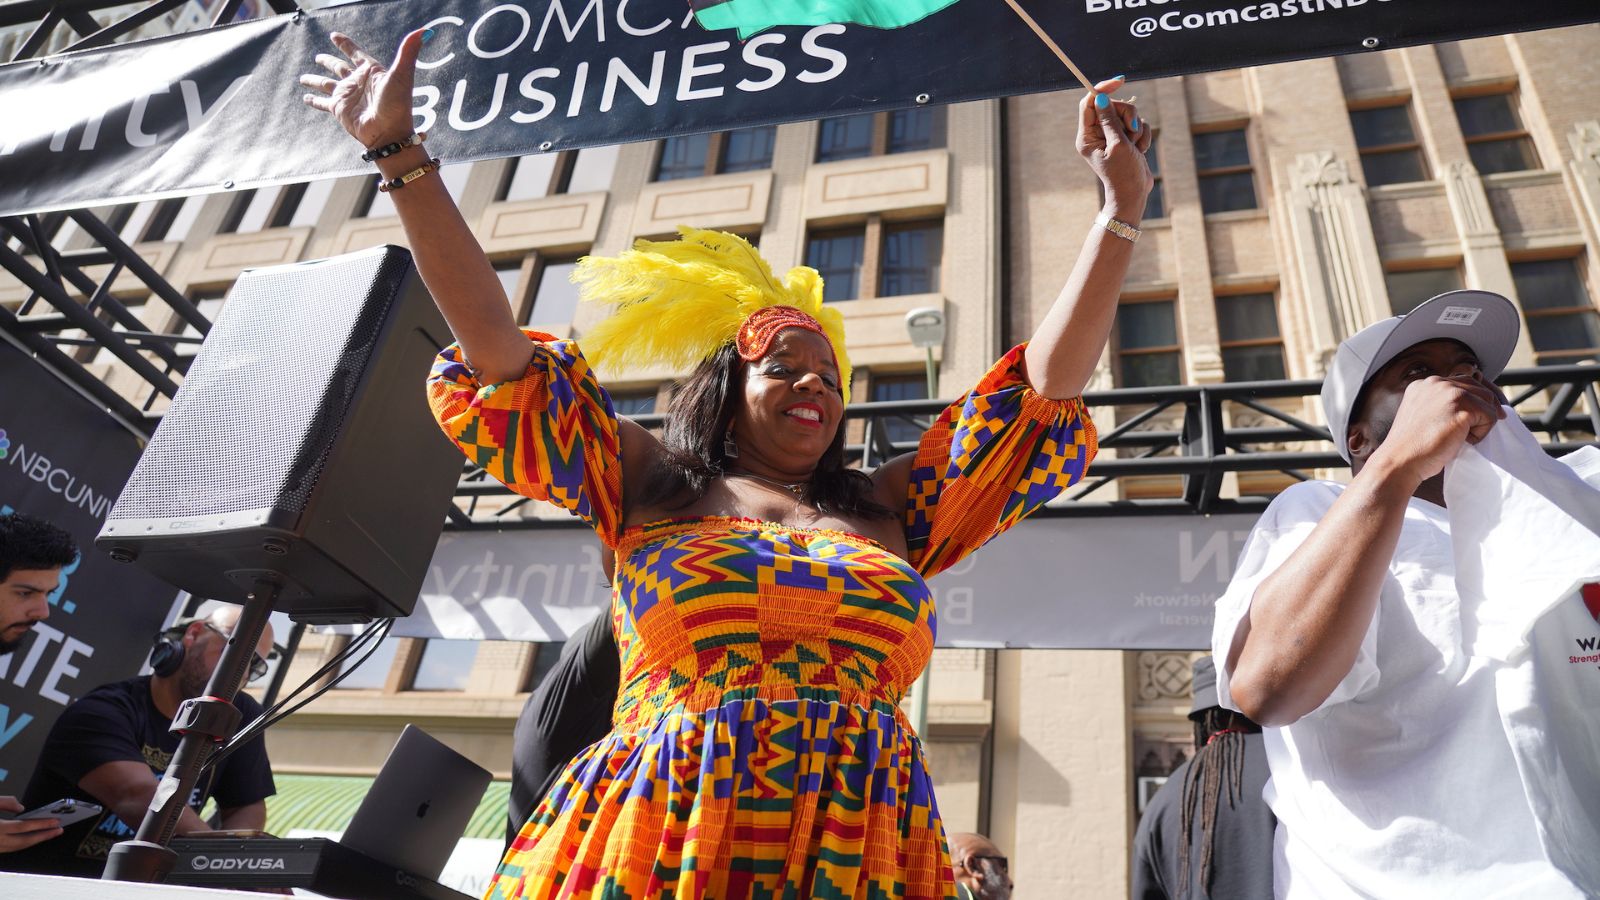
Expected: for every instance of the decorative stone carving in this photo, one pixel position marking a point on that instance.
(1585, 141)
(1469, 202)
(1164, 676)
(1335, 248)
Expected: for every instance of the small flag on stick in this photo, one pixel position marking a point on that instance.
(754, 16)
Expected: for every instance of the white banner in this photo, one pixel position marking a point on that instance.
(1144, 582)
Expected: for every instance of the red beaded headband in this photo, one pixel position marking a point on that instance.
(757, 332)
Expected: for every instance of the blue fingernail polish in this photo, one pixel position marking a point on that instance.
(427, 35)
(1119, 78)
(1102, 101)
(1135, 123)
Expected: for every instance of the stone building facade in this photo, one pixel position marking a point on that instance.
(1296, 204)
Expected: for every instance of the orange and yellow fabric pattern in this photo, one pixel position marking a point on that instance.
(758, 748)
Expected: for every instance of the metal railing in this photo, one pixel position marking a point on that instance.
(1206, 447)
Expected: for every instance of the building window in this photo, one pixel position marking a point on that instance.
(875, 134)
(683, 157)
(694, 155)
(289, 205)
(529, 177)
(1222, 163)
(911, 257)
(1148, 352)
(444, 665)
(568, 172)
(1563, 323)
(589, 169)
(172, 219)
(210, 305)
(510, 274)
(634, 403)
(555, 300)
(919, 128)
(838, 256)
(1409, 287)
(249, 211)
(374, 673)
(1155, 206)
(845, 137)
(1387, 140)
(748, 149)
(1495, 137)
(900, 429)
(1247, 330)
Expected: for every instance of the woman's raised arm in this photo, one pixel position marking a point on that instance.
(1066, 346)
(373, 103)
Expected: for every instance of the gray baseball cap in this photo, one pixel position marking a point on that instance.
(1485, 321)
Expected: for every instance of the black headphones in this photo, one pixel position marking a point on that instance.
(166, 657)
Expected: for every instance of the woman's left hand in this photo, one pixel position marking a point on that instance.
(1113, 139)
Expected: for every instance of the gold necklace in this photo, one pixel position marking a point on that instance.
(798, 488)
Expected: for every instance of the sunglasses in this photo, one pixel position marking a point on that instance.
(973, 863)
(258, 666)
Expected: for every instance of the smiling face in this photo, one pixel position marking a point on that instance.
(792, 405)
(24, 600)
(1380, 397)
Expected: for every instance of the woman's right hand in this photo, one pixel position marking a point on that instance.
(372, 101)
(1113, 140)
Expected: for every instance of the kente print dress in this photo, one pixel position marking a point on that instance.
(758, 748)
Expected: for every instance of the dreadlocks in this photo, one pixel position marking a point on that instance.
(1217, 769)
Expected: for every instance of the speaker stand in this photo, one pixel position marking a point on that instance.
(205, 722)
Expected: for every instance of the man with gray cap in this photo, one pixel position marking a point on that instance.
(1397, 764)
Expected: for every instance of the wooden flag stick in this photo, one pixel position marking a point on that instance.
(1054, 47)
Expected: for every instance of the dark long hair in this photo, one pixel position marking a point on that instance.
(1216, 770)
(702, 410)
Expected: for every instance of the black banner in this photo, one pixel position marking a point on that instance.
(220, 109)
(65, 461)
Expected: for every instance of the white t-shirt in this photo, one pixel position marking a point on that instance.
(1409, 780)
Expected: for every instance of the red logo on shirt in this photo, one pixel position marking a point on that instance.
(1591, 599)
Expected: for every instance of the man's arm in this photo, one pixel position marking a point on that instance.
(250, 817)
(126, 787)
(1306, 621)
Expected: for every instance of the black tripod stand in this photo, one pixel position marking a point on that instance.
(205, 722)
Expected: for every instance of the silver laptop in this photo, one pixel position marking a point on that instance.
(418, 806)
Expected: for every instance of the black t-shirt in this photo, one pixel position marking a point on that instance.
(1241, 849)
(115, 723)
(568, 711)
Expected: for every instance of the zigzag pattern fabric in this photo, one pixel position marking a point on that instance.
(758, 747)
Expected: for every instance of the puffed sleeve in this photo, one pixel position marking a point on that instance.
(991, 459)
(550, 435)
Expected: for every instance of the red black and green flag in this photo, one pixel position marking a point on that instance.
(753, 16)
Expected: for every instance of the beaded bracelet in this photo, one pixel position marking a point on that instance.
(395, 184)
(376, 153)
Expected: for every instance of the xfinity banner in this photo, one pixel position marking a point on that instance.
(1106, 583)
(65, 461)
(220, 109)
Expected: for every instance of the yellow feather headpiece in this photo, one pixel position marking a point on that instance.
(678, 302)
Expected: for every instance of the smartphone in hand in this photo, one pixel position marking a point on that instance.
(66, 811)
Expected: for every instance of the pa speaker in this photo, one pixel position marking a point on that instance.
(300, 447)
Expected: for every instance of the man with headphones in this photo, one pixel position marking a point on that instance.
(112, 746)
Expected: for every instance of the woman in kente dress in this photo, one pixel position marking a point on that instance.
(770, 604)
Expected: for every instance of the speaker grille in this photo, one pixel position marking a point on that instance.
(332, 311)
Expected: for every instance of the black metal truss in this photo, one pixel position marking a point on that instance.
(1197, 432)
(1208, 445)
(124, 19)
